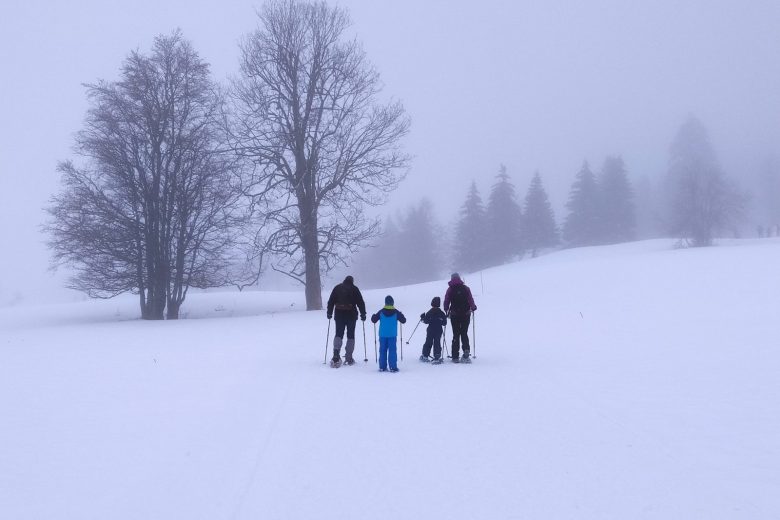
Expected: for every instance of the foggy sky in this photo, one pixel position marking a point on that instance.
(531, 84)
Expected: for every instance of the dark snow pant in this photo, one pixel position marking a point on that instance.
(460, 333)
(344, 320)
(432, 338)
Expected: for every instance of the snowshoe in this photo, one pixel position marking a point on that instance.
(350, 361)
(465, 359)
(335, 362)
(393, 370)
(425, 359)
(436, 361)
(383, 370)
(456, 360)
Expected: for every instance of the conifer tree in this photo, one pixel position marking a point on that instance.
(419, 245)
(375, 266)
(539, 229)
(470, 233)
(617, 213)
(582, 226)
(503, 220)
(648, 212)
(406, 251)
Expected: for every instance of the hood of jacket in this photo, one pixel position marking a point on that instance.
(454, 282)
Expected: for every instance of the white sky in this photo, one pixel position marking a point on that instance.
(533, 84)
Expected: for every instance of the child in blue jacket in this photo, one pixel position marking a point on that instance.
(388, 319)
(436, 321)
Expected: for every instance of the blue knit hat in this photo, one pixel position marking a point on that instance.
(389, 300)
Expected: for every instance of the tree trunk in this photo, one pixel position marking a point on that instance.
(173, 310)
(313, 288)
(311, 252)
(155, 300)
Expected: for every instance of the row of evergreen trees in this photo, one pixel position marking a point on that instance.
(694, 201)
(503, 230)
(413, 244)
(600, 209)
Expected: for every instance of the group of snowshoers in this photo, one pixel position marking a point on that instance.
(346, 304)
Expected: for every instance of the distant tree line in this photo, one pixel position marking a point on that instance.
(694, 202)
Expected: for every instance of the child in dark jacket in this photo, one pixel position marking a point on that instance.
(388, 319)
(436, 321)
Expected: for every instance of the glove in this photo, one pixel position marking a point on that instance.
(330, 316)
(362, 317)
(473, 308)
(422, 316)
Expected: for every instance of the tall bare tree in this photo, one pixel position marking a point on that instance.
(702, 200)
(306, 114)
(153, 209)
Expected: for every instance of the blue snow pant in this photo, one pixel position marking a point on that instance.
(387, 352)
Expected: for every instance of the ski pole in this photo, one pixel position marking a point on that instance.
(446, 350)
(474, 334)
(365, 353)
(415, 330)
(376, 357)
(402, 342)
(327, 338)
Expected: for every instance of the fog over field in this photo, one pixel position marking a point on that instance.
(533, 85)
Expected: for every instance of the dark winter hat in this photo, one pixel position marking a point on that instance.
(349, 280)
(436, 302)
(454, 276)
(389, 300)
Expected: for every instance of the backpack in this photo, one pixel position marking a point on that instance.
(459, 302)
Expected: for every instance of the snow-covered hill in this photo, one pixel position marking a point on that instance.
(623, 382)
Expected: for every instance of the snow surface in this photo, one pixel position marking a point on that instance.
(623, 382)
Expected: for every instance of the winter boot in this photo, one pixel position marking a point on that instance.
(466, 358)
(455, 360)
(436, 361)
(424, 359)
(335, 362)
(394, 369)
(350, 348)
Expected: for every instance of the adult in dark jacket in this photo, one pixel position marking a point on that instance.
(436, 321)
(459, 304)
(344, 303)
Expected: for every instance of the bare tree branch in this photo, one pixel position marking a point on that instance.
(305, 113)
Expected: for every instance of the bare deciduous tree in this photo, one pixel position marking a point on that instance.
(701, 199)
(306, 115)
(153, 210)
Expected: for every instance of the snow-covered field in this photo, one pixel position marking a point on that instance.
(622, 382)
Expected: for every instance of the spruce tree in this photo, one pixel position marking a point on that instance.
(406, 252)
(617, 213)
(539, 229)
(582, 225)
(503, 219)
(470, 233)
(375, 265)
(419, 245)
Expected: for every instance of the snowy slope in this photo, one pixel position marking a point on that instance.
(623, 382)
